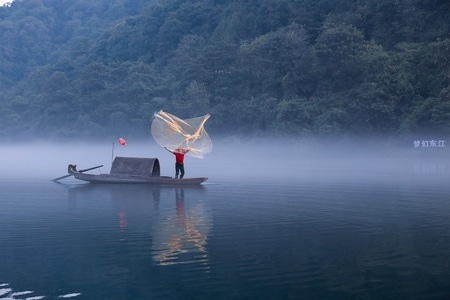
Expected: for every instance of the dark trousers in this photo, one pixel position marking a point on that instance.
(179, 169)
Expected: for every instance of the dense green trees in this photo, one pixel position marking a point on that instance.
(303, 67)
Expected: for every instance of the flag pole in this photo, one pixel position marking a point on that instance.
(112, 153)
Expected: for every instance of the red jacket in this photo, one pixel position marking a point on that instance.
(179, 157)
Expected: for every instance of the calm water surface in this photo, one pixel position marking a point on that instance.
(350, 236)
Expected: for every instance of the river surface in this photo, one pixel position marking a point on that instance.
(356, 233)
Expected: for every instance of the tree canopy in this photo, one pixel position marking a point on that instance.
(90, 69)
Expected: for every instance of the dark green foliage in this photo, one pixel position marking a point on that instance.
(71, 69)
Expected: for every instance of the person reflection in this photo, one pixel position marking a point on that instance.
(181, 238)
(179, 204)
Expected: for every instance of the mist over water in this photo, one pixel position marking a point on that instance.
(277, 219)
(258, 159)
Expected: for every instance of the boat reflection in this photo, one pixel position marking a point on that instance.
(178, 219)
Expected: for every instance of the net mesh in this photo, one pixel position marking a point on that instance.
(172, 132)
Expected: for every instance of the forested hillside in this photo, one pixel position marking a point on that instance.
(93, 69)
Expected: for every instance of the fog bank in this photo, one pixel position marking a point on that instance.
(233, 159)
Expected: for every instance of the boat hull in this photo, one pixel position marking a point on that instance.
(135, 179)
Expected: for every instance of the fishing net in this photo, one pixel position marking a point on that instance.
(172, 132)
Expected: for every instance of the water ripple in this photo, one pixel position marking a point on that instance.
(7, 293)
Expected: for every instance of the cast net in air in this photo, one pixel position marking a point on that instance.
(172, 132)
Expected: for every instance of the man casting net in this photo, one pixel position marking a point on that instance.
(172, 132)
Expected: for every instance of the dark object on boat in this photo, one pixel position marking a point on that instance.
(80, 171)
(134, 170)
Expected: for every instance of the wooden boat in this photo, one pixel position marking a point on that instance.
(133, 170)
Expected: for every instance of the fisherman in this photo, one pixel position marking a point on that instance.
(179, 160)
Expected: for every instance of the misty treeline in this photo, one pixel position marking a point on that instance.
(82, 68)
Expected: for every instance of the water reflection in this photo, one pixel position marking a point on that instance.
(180, 235)
(177, 218)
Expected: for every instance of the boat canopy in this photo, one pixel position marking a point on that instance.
(148, 167)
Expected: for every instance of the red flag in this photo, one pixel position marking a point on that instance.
(122, 141)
